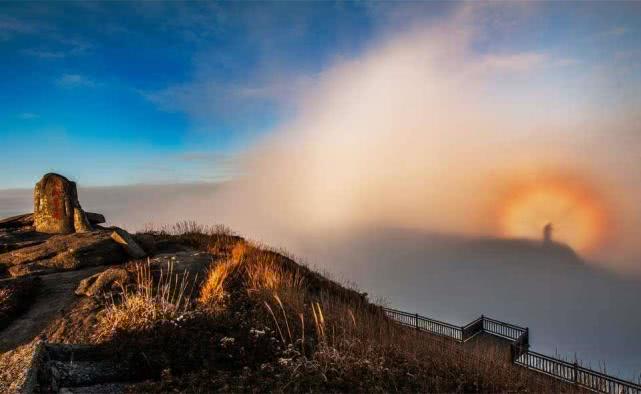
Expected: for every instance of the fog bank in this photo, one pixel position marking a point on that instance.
(570, 307)
(425, 132)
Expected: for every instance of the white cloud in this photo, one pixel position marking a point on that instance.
(75, 80)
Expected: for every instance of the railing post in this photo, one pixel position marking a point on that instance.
(576, 371)
(416, 322)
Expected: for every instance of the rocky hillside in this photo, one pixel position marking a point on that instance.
(89, 309)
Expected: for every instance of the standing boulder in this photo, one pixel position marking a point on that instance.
(54, 199)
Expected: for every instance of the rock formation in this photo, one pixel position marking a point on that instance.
(60, 235)
(128, 243)
(65, 252)
(54, 198)
(103, 281)
(56, 206)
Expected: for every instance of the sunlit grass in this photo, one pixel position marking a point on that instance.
(326, 337)
(149, 300)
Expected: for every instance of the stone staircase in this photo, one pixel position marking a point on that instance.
(81, 369)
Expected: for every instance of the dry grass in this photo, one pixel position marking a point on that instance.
(217, 239)
(312, 334)
(337, 336)
(356, 345)
(155, 296)
(252, 268)
(213, 291)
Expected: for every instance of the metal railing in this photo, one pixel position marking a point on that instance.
(520, 349)
(423, 323)
(574, 373)
(501, 329)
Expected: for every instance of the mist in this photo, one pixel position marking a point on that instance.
(421, 132)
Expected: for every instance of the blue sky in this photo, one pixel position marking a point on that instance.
(166, 92)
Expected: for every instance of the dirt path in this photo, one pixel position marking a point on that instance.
(56, 294)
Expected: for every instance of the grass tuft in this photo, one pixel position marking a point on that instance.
(155, 296)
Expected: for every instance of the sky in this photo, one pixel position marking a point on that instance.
(120, 93)
(163, 92)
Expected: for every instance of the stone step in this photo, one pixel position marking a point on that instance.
(85, 373)
(76, 352)
(107, 388)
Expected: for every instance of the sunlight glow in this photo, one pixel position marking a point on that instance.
(577, 216)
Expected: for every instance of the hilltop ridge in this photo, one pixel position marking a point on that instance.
(198, 309)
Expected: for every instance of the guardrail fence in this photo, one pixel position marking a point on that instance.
(520, 350)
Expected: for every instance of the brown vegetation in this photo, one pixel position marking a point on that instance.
(149, 301)
(261, 322)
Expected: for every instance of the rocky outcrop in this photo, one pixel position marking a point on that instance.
(65, 252)
(54, 200)
(191, 264)
(60, 235)
(54, 300)
(26, 220)
(17, 221)
(103, 281)
(95, 218)
(21, 237)
(128, 243)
